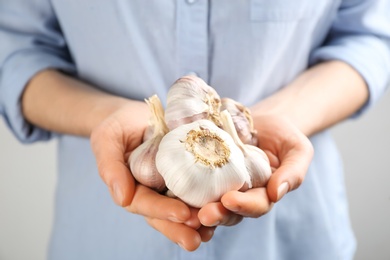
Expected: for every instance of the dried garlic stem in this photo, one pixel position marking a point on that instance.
(157, 119)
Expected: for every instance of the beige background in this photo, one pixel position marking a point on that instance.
(28, 179)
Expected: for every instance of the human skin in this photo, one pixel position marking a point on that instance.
(317, 99)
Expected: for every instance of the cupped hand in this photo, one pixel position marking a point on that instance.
(112, 142)
(290, 153)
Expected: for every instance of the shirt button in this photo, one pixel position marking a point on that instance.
(191, 1)
(192, 73)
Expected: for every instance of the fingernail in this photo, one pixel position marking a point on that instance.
(174, 219)
(216, 223)
(234, 209)
(179, 244)
(282, 190)
(118, 194)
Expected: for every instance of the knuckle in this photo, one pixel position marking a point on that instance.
(132, 208)
(103, 172)
(262, 210)
(298, 181)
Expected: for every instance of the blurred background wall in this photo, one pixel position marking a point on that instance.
(28, 179)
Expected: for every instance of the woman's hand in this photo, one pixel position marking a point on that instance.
(115, 126)
(290, 153)
(312, 102)
(112, 142)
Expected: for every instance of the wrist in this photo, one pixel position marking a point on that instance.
(279, 107)
(102, 107)
(318, 98)
(68, 105)
(129, 115)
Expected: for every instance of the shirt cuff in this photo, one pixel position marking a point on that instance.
(16, 72)
(370, 56)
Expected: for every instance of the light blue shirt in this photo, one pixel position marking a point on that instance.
(246, 50)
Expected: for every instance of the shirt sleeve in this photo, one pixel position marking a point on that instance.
(31, 41)
(360, 36)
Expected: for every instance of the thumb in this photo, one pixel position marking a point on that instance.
(110, 159)
(291, 172)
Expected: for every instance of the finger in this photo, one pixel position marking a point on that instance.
(251, 203)
(206, 233)
(273, 159)
(292, 171)
(186, 237)
(151, 204)
(112, 167)
(120, 182)
(193, 221)
(214, 214)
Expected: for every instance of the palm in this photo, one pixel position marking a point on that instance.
(112, 142)
(290, 153)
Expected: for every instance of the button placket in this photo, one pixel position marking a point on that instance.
(192, 37)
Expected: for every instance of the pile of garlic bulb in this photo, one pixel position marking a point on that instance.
(201, 147)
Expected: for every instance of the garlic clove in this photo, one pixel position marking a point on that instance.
(200, 162)
(148, 134)
(190, 99)
(256, 161)
(142, 159)
(142, 163)
(242, 119)
(258, 166)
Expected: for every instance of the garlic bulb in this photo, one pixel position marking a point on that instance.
(200, 162)
(190, 99)
(142, 159)
(242, 120)
(256, 161)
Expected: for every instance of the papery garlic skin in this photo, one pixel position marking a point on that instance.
(142, 160)
(200, 162)
(242, 120)
(148, 134)
(190, 99)
(256, 161)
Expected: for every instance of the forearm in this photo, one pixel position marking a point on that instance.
(320, 97)
(60, 103)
